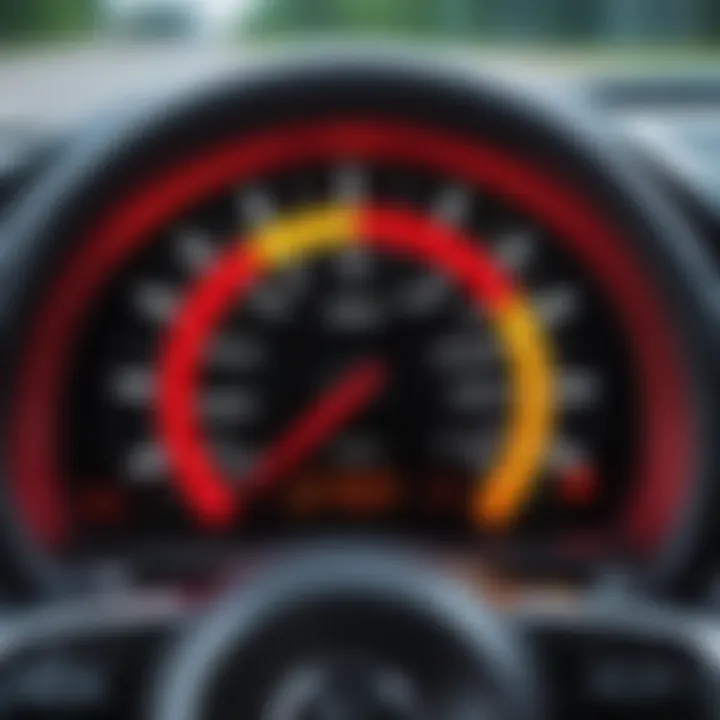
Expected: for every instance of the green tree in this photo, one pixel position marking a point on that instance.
(711, 13)
(423, 17)
(46, 19)
(290, 16)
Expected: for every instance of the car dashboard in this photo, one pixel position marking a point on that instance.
(329, 369)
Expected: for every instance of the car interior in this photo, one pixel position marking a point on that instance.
(364, 385)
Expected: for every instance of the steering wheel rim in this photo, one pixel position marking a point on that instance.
(328, 576)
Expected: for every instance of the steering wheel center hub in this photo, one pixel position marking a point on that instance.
(345, 688)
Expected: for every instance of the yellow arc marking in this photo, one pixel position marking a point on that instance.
(504, 493)
(308, 232)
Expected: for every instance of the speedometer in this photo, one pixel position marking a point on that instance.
(352, 320)
(351, 341)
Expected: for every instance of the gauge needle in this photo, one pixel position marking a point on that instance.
(349, 394)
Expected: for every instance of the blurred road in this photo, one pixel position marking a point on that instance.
(58, 86)
(55, 86)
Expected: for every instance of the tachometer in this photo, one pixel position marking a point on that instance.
(355, 338)
(351, 319)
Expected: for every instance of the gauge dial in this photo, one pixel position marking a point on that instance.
(369, 327)
(350, 343)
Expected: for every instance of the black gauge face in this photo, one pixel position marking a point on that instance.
(390, 330)
(356, 387)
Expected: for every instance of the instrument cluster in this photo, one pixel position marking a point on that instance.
(337, 312)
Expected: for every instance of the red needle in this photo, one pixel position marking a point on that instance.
(346, 397)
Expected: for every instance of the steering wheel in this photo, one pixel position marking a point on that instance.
(348, 633)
